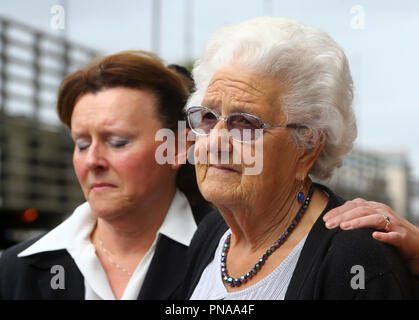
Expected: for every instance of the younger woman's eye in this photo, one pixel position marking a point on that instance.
(82, 144)
(118, 142)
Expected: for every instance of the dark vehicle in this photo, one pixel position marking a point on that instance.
(38, 187)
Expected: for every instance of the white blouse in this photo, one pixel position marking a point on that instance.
(73, 235)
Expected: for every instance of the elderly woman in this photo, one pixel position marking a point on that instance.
(129, 240)
(283, 89)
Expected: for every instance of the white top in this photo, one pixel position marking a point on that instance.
(272, 287)
(73, 235)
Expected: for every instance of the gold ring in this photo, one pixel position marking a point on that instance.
(388, 223)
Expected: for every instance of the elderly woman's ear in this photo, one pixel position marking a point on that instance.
(308, 156)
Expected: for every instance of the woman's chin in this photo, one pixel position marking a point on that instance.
(105, 210)
(217, 194)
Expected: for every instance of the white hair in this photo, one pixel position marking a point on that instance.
(308, 63)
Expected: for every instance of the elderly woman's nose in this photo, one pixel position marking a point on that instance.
(95, 158)
(219, 140)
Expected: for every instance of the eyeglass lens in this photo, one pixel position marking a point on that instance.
(241, 126)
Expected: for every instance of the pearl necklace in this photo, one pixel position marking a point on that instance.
(235, 282)
(117, 265)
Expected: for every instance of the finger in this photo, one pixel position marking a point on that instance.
(392, 238)
(375, 221)
(348, 205)
(350, 215)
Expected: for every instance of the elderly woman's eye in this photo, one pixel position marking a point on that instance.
(208, 116)
(240, 121)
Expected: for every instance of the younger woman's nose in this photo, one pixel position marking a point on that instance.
(95, 158)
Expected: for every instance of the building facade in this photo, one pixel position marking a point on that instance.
(376, 175)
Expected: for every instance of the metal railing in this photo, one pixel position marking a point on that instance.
(35, 149)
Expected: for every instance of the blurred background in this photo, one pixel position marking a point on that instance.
(42, 41)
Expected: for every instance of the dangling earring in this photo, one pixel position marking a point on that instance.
(300, 195)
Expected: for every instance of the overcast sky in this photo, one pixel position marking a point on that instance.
(379, 37)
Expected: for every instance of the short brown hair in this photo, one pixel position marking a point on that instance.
(137, 70)
(130, 69)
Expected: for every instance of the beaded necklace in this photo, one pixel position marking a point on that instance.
(235, 282)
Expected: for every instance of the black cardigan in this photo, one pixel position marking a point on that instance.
(30, 277)
(323, 270)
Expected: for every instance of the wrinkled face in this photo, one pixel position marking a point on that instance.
(114, 155)
(232, 90)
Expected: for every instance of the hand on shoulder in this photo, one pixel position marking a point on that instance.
(400, 233)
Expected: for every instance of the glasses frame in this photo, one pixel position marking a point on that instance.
(262, 125)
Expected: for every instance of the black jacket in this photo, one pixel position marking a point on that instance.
(30, 277)
(323, 270)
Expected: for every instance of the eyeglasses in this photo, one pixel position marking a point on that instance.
(242, 127)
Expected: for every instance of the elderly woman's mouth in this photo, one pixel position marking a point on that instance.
(223, 169)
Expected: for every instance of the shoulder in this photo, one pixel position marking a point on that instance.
(351, 264)
(10, 254)
(12, 266)
(14, 270)
(366, 267)
(359, 245)
(29, 277)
